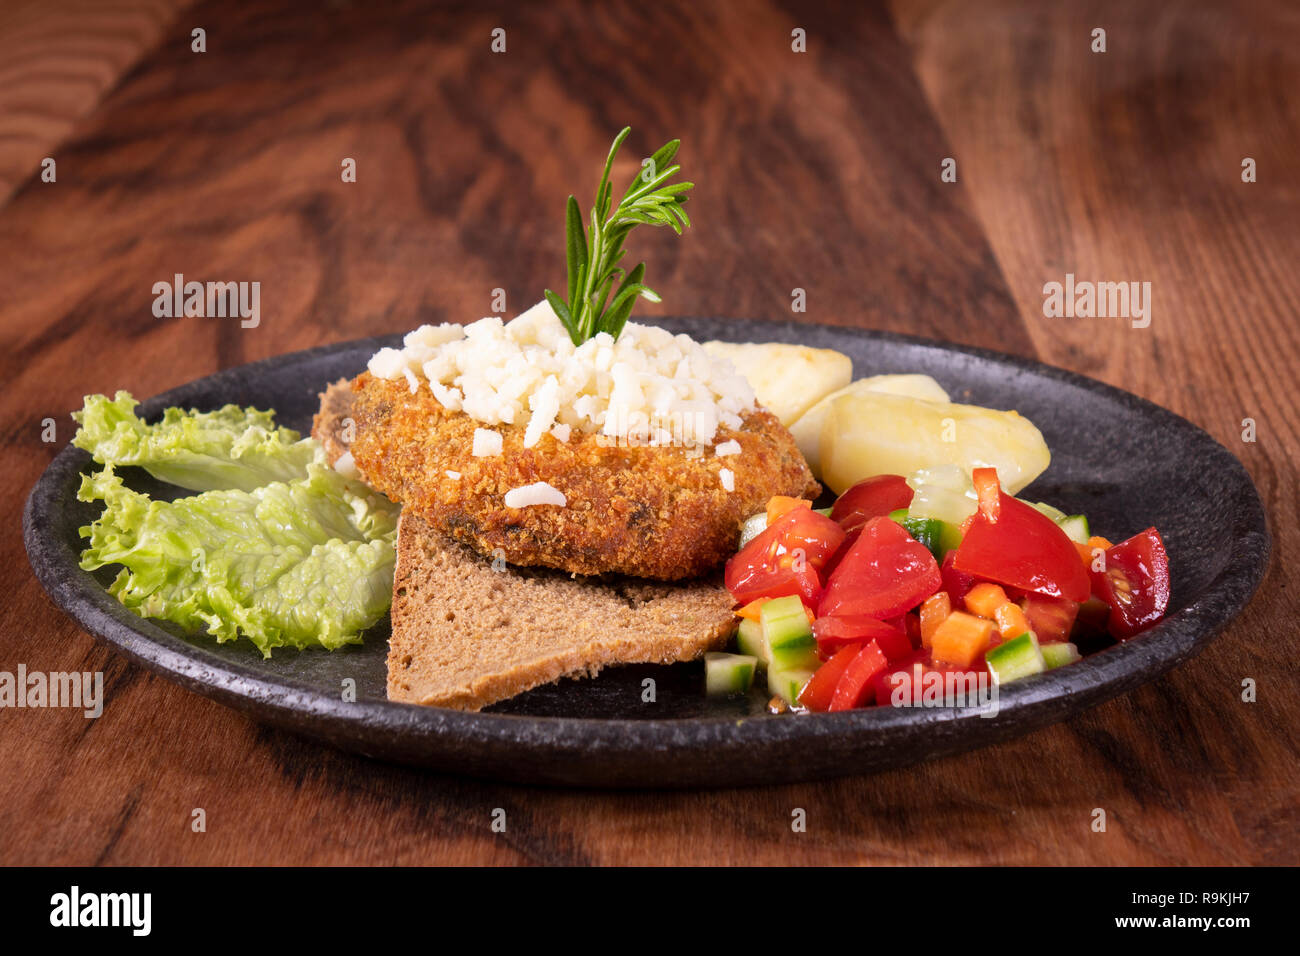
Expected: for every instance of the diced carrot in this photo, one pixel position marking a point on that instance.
(779, 505)
(989, 492)
(984, 599)
(1011, 621)
(933, 612)
(1097, 541)
(961, 639)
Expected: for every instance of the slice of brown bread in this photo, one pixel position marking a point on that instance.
(466, 635)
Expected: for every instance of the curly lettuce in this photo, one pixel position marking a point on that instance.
(232, 447)
(303, 561)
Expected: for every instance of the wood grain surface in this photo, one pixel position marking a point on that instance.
(816, 170)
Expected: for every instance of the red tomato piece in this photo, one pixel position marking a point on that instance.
(870, 499)
(856, 685)
(1135, 583)
(886, 573)
(835, 632)
(1051, 619)
(784, 558)
(1025, 549)
(956, 583)
(817, 693)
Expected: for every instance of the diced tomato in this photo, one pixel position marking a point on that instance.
(784, 558)
(817, 693)
(834, 632)
(956, 583)
(1135, 583)
(856, 687)
(1023, 548)
(911, 669)
(870, 499)
(1051, 619)
(886, 573)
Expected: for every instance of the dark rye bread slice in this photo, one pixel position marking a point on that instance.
(466, 635)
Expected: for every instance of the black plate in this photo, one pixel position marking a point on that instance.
(1123, 461)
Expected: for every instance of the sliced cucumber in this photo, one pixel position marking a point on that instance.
(749, 638)
(1076, 528)
(938, 536)
(1017, 658)
(788, 683)
(788, 634)
(728, 673)
(823, 511)
(752, 528)
(1053, 512)
(1058, 655)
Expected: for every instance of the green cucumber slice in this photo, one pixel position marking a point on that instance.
(1076, 528)
(1017, 658)
(752, 528)
(1058, 655)
(788, 683)
(788, 634)
(823, 511)
(1053, 512)
(726, 674)
(749, 639)
(937, 535)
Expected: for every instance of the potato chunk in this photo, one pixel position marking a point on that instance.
(787, 379)
(807, 429)
(873, 433)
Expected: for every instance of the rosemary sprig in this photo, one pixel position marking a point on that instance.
(593, 257)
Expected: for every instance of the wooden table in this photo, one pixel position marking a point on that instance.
(818, 170)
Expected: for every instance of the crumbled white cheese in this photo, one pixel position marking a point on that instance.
(486, 443)
(561, 432)
(728, 478)
(345, 466)
(648, 386)
(412, 382)
(538, 493)
(727, 448)
(453, 475)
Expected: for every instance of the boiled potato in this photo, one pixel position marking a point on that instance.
(873, 433)
(807, 429)
(787, 379)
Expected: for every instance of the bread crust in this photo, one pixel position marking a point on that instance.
(466, 635)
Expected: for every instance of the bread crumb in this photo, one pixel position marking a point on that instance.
(486, 443)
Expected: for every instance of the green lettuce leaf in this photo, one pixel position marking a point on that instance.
(232, 447)
(300, 563)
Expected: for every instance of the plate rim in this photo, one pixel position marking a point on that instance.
(302, 707)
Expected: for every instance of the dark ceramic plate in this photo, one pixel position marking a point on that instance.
(1124, 462)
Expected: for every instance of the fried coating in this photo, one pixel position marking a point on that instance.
(659, 513)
